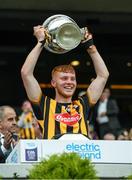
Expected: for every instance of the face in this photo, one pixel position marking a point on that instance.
(64, 84)
(26, 106)
(105, 94)
(109, 136)
(107, 91)
(8, 123)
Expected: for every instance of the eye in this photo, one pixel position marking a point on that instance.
(64, 78)
(10, 119)
(73, 78)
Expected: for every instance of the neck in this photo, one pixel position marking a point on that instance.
(63, 99)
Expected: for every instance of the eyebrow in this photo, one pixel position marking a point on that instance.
(12, 117)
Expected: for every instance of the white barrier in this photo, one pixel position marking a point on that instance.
(99, 151)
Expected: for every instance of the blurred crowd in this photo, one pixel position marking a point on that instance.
(104, 123)
(122, 134)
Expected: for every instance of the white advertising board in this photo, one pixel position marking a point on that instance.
(98, 151)
(26, 151)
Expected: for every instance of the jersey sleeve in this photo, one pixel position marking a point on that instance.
(38, 107)
(87, 108)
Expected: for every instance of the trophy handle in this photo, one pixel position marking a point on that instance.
(47, 37)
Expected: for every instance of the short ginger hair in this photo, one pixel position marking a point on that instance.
(63, 68)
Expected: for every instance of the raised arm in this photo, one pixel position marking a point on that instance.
(96, 87)
(31, 85)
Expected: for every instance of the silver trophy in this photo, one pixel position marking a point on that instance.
(63, 34)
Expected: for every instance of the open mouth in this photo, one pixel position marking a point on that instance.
(69, 87)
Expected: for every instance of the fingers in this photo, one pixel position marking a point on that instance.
(87, 35)
(86, 30)
(8, 136)
(7, 140)
(39, 28)
(39, 32)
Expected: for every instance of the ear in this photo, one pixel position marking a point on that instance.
(53, 83)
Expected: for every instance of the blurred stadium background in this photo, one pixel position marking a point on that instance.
(111, 23)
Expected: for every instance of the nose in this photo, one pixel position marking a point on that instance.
(69, 80)
(14, 121)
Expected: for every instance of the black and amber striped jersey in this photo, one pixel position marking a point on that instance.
(25, 124)
(60, 118)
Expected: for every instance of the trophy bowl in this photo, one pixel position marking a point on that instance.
(64, 33)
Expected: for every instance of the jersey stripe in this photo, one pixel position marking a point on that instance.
(51, 125)
(46, 118)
